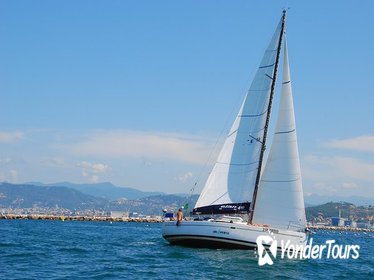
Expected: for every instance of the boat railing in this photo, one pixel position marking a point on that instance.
(220, 218)
(230, 219)
(295, 226)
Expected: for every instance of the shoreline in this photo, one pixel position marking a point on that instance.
(341, 228)
(77, 218)
(138, 220)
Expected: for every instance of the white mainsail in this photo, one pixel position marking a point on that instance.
(234, 174)
(279, 201)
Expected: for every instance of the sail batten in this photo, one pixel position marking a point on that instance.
(283, 132)
(266, 66)
(281, 181)
(252, 116)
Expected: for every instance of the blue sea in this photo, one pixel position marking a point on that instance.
(38, 249)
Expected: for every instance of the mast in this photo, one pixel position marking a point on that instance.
(263, 148)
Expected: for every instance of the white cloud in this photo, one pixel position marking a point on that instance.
(9, 176)
(93, 167)
(354, 168)
(349, 185)
(183, 178)
(324, 188)
(338, 174)
(11, 137)
(348, 174)
(363, 143)
(159, 146)
(94, 179)
(338, 167)
(333, 187)
(13, 175)
(92, 170)
(55, 161)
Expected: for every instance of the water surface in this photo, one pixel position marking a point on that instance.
(102, 250)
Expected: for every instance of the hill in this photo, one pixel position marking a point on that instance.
(347, 210)
(110, 191)
(315, 199)
(104, 190)
(153, 205)
(30, 196)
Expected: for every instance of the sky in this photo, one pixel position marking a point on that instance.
(142, 93)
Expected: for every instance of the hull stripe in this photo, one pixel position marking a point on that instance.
(211, 242)
(195, 236)
(202, 241)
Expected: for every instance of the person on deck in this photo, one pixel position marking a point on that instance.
(179, 216)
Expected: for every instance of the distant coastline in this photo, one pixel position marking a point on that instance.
(78, 218)
(88, 203)
(340, 228)
(141, 220)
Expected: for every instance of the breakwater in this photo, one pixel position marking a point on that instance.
(140, 220)
(79, 218)
(341, 228)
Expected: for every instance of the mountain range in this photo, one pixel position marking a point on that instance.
(108, 197)
(74, 197)
(111, 192)
(104, 190)
(30, 196)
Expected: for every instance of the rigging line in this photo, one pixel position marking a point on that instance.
(220, 136)
(212, 151)
(218, 199)
(231, 133)
(188, 198)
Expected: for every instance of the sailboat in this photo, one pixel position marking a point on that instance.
(244, 198)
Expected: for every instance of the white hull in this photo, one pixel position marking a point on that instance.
(236, 235)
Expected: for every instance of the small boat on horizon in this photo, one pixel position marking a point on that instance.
(240, 201)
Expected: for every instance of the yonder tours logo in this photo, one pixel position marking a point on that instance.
(267, 250)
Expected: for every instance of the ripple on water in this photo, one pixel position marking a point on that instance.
(93, 250)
